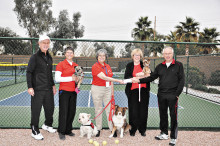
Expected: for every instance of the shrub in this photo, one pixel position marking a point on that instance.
(213, 90)
(215, 78)
(201, 88)
(195, 76)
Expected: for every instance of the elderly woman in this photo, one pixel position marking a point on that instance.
(67, 95)
(138, 110)
(102, 87)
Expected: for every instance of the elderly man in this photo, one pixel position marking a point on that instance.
(171, 83)
(41, 87)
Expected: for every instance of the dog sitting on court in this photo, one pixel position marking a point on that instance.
(80, 75)
(87, 127)
(119, 121)
(146, 63)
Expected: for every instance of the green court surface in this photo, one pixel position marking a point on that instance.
(194, 112)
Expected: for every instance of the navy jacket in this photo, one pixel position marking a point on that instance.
(171, 79)
(39, 71)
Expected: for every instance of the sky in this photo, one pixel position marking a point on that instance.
(115, 19)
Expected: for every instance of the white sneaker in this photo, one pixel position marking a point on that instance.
(49, 129)
(172, 142)
(38, 136)
(162, 136)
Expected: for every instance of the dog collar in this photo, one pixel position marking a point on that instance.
(92, 125)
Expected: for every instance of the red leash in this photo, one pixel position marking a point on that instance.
(112, 109)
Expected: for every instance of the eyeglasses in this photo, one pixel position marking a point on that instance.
(101, 55)
(137, 55)
(167, 53)
(69, 52)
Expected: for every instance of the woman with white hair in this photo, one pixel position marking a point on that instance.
(102, 87)
(137, 109)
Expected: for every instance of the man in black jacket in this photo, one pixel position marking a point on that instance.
(41, 87)
(171, 83)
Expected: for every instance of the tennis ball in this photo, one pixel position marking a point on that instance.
(95, 142)
(90, 141)
(104, 142)
(116, 141)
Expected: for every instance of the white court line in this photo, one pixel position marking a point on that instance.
(201, 98)
(13, 96)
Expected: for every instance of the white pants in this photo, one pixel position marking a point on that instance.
(101, 94)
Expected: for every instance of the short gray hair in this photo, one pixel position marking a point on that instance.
(168, 47)
(101, 51)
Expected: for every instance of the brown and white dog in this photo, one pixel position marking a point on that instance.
(146, 63)
(80, 75)
(119, 121)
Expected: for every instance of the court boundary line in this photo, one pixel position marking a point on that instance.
(204, 99)
(13, 96)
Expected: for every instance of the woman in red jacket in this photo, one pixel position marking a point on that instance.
(67, 95)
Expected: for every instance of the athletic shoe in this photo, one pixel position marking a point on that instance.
(36, 133)
(71, 134)
(49, 129)
(61, 136)
(162, 136)
(37, 136)
(172, 142)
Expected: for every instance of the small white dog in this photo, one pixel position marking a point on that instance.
(87, 126)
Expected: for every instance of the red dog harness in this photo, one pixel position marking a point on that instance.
(92, 125)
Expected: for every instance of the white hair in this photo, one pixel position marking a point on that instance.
(168, 47)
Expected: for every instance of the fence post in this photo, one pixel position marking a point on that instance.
(187, 72)
(175, 47)
(33, 46)
(15, 75)
(12, 62)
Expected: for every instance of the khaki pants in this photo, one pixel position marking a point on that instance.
(101, 94)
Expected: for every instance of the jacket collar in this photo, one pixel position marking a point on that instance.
(173, 62)
(101, 64)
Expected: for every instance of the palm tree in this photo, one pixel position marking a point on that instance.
(187, 31)
(157, 47)
(143, 31)
(209, 35)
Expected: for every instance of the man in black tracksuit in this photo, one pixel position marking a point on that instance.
(41, 87)
(171, 83)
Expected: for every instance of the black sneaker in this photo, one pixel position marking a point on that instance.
(143, 134)
(71, 134)
(98, 134)
(131, 133)
(61, 136)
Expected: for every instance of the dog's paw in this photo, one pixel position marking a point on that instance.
(81, 136)
(111, 136)
(121, 136)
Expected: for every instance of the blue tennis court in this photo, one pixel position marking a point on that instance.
(6, 79)
(24, 99)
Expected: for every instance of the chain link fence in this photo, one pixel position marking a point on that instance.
(199, 104)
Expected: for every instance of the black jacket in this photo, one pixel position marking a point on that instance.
(39, 71)
(128, 75)
(171, 79)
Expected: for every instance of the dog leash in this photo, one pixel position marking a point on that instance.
(112, 101)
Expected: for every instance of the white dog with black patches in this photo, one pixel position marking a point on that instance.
(119, 121)
(87, 126)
